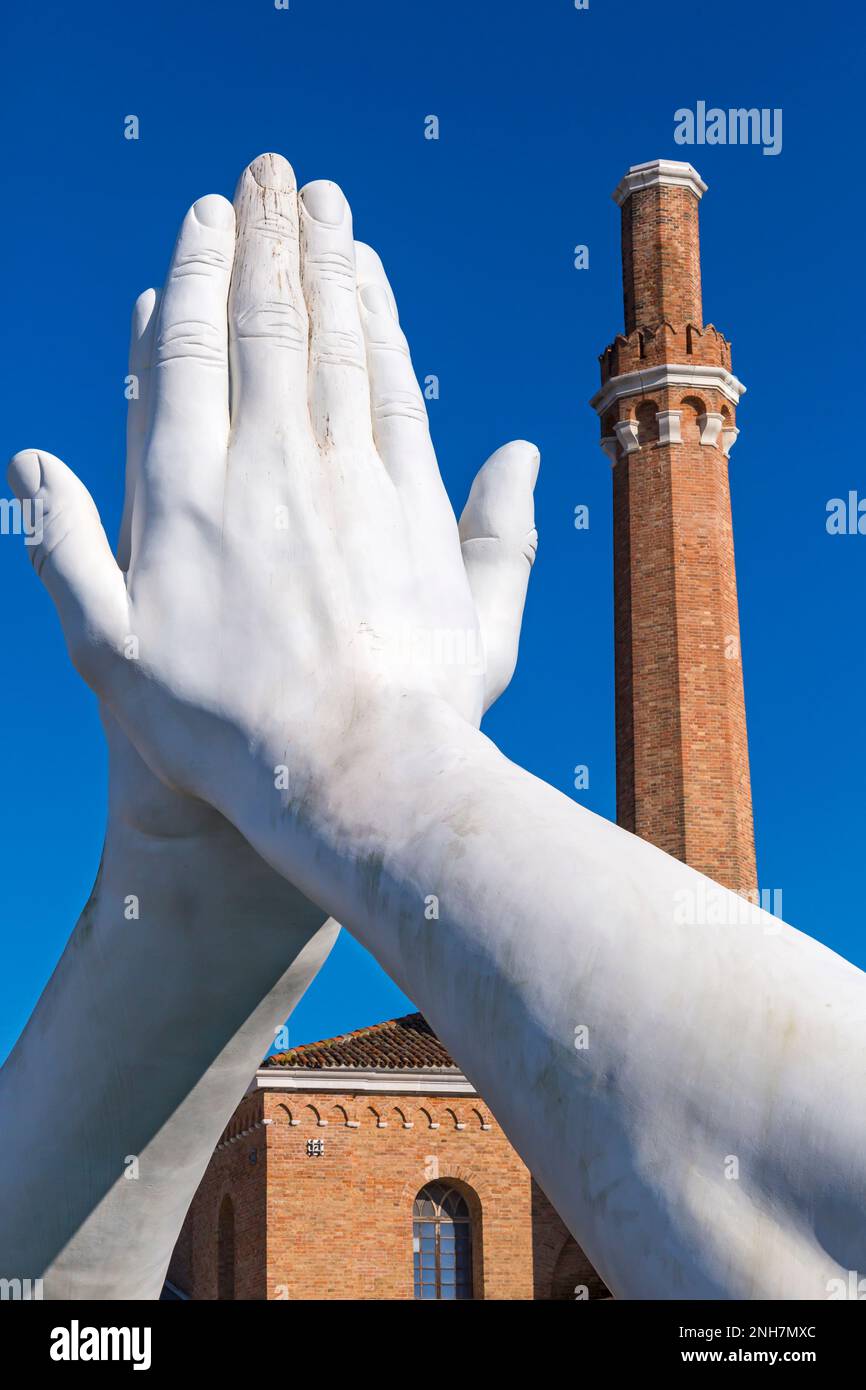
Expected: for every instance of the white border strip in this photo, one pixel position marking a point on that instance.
(434, 1081)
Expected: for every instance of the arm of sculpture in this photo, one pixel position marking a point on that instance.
(188, 956)
(682, 1072)
(136, 1055)
(293, 475)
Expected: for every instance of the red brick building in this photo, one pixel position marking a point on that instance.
(367, 1167)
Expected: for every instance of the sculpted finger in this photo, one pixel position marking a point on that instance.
(499, 540)
(399, 415)
(339, 393)
(72, 557)
(190, 352)
(138, 411)
(267, 312)
(400, 426)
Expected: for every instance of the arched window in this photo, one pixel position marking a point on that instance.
(442, 1243)
(691, 410)
(647, 422)
(226, 1251)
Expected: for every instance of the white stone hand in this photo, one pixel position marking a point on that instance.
(209, 903)
(294, 560)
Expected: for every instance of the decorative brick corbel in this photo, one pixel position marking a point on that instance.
(710, 426)
(611, 448)
(626, 433)
(669, 426)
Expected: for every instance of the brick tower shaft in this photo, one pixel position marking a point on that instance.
(668, 407)
(661, 254)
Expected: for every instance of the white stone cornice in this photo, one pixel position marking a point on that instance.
(666, 171)
(668, 374)
(433, 1081)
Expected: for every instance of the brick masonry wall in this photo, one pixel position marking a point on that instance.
(561, 1271)
(682, 749)
(233, 1173)
(339, 1226)
(661, 261)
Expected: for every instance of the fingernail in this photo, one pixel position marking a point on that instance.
(531, 455)
(536, 464)
(272, 171)
(376, 299)
(324, 201)
(215, 212)
(25, 474)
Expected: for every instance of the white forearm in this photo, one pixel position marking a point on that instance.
(135, 1057)
(686, 1093)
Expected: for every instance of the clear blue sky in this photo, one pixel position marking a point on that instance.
(542, 108)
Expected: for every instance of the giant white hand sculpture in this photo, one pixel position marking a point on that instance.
(295, 567)
(208, 909)
(285, 505)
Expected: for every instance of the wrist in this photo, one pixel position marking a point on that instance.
(361, 792)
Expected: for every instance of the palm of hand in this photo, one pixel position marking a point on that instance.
(290, 550)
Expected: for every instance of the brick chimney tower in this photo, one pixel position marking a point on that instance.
(667, 407)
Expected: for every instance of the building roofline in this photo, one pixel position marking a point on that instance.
(383, 1081)
(404, 1044)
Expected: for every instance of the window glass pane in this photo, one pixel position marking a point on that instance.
(441, 1244)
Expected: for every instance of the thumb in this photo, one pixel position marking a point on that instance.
(498, 539)
(71, 555)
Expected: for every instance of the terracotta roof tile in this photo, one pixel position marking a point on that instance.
(399, 1044)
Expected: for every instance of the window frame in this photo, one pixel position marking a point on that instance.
(448, 1231)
